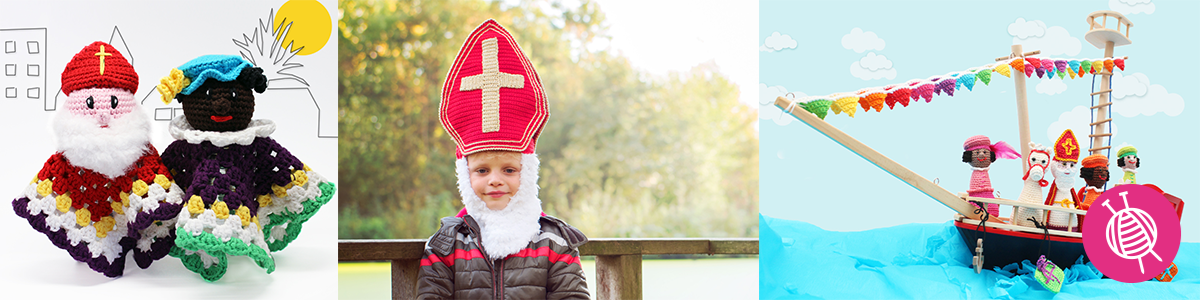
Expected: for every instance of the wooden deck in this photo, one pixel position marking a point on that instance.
(618, 260)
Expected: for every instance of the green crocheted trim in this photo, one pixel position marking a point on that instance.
(296, 221)
(195, 264)
(215, 247)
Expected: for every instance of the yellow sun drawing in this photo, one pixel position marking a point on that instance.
(311, 25)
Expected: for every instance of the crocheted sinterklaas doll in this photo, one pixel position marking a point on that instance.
(980, 153)
(1062, 192)
(245, 194)
(1037, 161)
(105, 192)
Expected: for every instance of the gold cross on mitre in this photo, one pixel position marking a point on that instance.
(1069, 146)
(102, 54)
(490, 81)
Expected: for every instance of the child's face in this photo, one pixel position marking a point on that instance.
(495, 176)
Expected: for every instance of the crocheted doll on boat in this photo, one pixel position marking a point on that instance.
(105, 192)
(245, 194)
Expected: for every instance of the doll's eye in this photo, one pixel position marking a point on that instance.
(114, 102)
(233, 94)
(90, 102)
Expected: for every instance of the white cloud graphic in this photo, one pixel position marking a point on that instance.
(1051, 86)
(766, 103)
(873, 67)
(1022, 29)
(860, 41)
(1133, 95)
(1034, 35)
(1129, 7)
(778, 42)
(1077, 120)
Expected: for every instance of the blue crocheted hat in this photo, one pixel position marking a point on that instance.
(220, 67)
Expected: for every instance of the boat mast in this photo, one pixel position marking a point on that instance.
(1102, 37)
(1022, 104)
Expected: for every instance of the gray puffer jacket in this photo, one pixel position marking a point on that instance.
(455, 266)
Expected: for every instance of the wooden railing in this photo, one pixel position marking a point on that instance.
(618, 260)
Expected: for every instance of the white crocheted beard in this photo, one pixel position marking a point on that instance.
(108, 151)
(1064, 177)
(505, 231)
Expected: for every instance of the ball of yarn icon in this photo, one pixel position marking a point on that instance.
(1131, 233)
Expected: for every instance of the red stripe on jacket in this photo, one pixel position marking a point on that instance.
(545, 251)
(449, 260)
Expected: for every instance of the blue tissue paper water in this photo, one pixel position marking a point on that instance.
(798, 260)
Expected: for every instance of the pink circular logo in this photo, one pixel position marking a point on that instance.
(1131, 233)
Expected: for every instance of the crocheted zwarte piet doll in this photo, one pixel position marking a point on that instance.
(1062, 192)
(105, 192)
(980, 153)
(1095, 174)
(1128, 161)
(245, 194)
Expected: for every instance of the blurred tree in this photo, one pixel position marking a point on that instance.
(623, 154)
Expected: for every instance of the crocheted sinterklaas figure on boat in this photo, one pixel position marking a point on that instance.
(105, 192)
(245, 194)
(1062, 192)
(980, 153)
(1037, 161)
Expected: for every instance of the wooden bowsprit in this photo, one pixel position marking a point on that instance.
(883, 162)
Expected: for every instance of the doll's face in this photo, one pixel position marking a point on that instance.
(1063, 170)
(495, 176)
(1098, 178)
(1131, 162)
(219, 106)
(981, 158)
(100, 105)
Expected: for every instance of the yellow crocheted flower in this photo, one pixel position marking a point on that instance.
(117, 208)
(221, 209)
(264, 200)
(195, 205)
(140, 188)
(171, 85)
(162, 181)
(105, 225)
(279, 190)
(62, 202)
(45, 187)
(243, 213)
(83, 217)
(299, 178)
(125, 199)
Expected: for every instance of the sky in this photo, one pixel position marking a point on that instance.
(806, 51)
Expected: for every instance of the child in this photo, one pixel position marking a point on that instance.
(500, 245)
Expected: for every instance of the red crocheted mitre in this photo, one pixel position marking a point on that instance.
(492, 98)
(1066, 148)
(99, 65)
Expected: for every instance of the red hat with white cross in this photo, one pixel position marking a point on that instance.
(492, 98)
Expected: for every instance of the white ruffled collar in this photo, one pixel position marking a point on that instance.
(980, 169)
(181, 130)
(1134, 171)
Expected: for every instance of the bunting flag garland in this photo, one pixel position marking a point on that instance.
(916, 89)
(967, 80)
(985, 75)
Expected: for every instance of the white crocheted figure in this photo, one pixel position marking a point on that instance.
(1036, 161)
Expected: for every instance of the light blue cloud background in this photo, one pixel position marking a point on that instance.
(825, 47)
